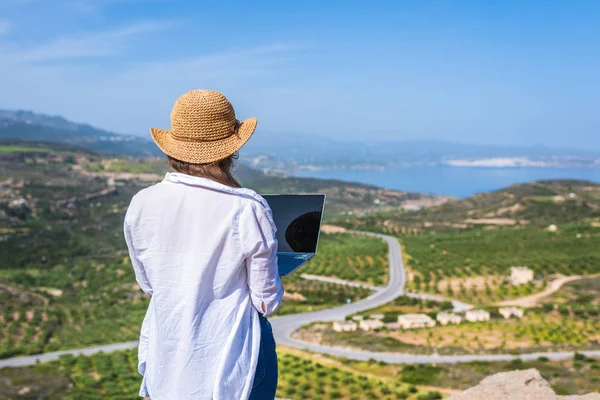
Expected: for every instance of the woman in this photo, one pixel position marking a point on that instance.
(205, 250)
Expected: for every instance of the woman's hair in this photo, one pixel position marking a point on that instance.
(218, 171)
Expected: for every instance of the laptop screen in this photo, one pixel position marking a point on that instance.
(298, 220)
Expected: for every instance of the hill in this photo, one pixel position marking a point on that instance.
(65, 277)
(540, 203)
(60, 201)
(26, 125)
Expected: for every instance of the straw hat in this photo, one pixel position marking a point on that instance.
(203, 128)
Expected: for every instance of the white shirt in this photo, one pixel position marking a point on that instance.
(207, 254)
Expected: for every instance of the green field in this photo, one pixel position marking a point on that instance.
(65, 280)
(114, 376)
(475, 265)
(133, 165)
(20, 149)
(352, 258)
(302, 378)
(100, 303)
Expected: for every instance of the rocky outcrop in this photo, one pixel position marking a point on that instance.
(516, 385)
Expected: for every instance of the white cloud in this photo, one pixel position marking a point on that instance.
(129, 98)
(89, 45)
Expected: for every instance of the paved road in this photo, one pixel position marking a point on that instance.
(340, 282)
(29, 360)
(283, 327)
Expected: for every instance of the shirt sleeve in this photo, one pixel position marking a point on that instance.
(140, 273)
(257, 235)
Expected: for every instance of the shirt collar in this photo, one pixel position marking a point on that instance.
(178, 177)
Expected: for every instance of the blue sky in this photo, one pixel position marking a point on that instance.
(491, 72)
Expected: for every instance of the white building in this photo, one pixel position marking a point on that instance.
(377, 316)
(415, 321)
(520, 275)
(508, 312)
(446, 318)
(357, 317)
(344, 326)
(371, 324)
(477, 315)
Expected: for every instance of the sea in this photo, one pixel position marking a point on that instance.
(459, 182)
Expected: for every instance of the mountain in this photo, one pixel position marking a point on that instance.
(304, 152)
(291, 152)
(541, 203)
(26, 125)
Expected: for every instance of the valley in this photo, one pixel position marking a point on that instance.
(67, 281)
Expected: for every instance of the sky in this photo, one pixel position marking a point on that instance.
(484, 72)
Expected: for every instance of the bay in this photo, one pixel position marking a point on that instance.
(454, 181)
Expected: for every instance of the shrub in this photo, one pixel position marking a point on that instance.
(335, 394)
(516, 362)
(430, 396)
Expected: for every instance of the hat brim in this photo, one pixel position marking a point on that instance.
(203, 152)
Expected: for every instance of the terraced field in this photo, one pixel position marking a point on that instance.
(474, 265)
(352, 258)
(93, 302)
(99, 302)
(114, 377)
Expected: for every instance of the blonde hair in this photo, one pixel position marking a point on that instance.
(219, 171)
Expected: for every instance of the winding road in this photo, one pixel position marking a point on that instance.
(283, 327)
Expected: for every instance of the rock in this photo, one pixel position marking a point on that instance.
(516, 385)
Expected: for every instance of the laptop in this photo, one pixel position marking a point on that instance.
(298, 219)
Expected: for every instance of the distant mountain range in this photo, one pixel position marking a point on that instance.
(289, 153)
(293, 152)
(26, 125)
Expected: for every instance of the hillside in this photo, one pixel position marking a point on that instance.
(65, 277)
(66, 281)
(539, 203)
(60, 201)
(26, 125)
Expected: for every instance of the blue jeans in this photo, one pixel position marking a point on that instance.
(266, 375)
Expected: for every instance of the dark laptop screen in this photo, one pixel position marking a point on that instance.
(298, 219)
